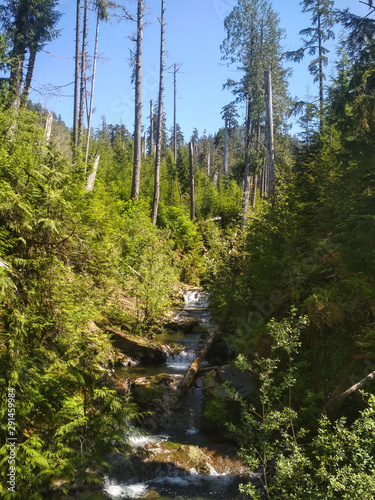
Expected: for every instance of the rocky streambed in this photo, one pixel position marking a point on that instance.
(180, 450)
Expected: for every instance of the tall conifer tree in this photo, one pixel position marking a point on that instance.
(323, 18)
(253, 44)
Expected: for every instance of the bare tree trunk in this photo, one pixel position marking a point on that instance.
(151, 128)
(215, 177)
(191, 170)
(179, 190)
(138, 106)
(175, 69)
(225, 159)
(195, 365)
(266, 180)
(155, 206)
(321, 74)
(333, 405)
(82, 92)
(92, 176)
(16, 77)
(254, 191)
(269, 132)
(48, 127)
(92, 87)
(29, 77)
(76, 75)
(255, 173)
(246, 179)
(208, 163)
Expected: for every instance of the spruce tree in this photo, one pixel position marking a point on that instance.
(323, 18)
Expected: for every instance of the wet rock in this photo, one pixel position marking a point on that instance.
(219, 406)
(159, 395)
(182, 323)
(241, 381)
(202, 460)
(220, 353)
(200, 330)
(138, 349)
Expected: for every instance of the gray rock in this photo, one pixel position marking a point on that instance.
(138, 348)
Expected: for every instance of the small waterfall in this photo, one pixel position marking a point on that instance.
(196, 299)
(179, 363)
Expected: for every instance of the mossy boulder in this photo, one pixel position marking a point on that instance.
(203, 460)
(139, 349)
(218, 405)
(185, 324)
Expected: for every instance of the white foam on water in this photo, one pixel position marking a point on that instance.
(196, 299)
(139, 440)
(118, 491)
(192, 431)
(213, 471)
(193, 471)
(182, 360)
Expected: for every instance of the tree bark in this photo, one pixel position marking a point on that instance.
(92, 176)
(76, 75)
(155, 205)
(138, 106)
(48, 127)
(321, 74)
(269, 132)
(225, 159)
(92, 87)
(175, 69)
(191, 170)
(17, 58)
(16, 77)
(82, 92)
(195, 365)
(246, 179)
(333, 405)
(151, 128)
(254, 191)
(357, 386)
(28, 79)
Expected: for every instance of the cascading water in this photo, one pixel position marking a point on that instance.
(184, 464)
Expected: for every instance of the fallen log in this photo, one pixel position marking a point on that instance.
(195, 365)
(357, 386)
(333, 405)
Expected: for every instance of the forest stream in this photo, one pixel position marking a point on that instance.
(180, 457)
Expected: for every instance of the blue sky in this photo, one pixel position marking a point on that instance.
(194, 32)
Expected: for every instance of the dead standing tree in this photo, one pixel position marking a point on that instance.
(101, 15)
(247, 176)
(191, 171)
(138, 105)
(155, 205)
(269, 132)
